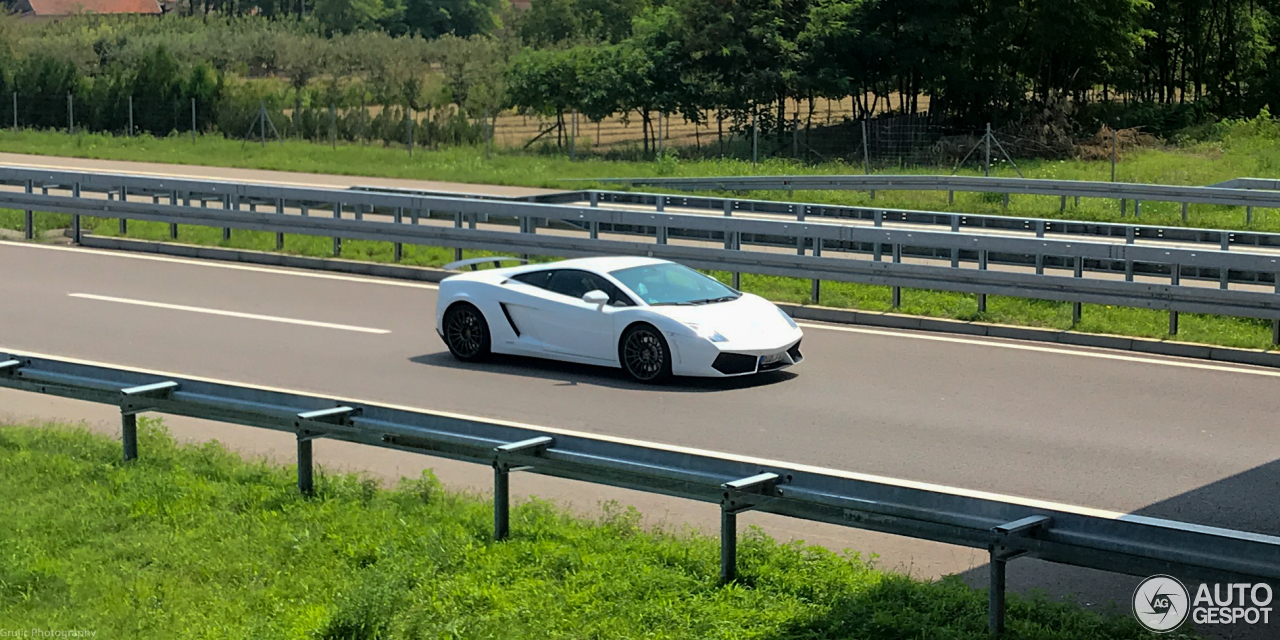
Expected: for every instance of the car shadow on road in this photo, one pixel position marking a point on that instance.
(572, 374)
(1243, 502)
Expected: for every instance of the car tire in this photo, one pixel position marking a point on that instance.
(644, 354)
(466, 333)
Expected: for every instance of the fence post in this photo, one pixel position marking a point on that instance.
(131, 115)
(728, 544)
(866, 156)
(1114, 144)
(408, 118)
(573, 133)
(71, 116)
(659, 133)
(755, 138)
(986, 141)
(193, 121)
(486, 133)
(795, 136)
(501, 501)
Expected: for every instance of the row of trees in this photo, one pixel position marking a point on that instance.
(974, 61)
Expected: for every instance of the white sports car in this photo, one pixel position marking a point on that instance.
(653, 318)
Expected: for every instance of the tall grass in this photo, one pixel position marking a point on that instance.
(194, 542)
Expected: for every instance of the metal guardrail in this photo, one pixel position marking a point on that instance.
(1123, 191)
(1007, 527)
(749, 244)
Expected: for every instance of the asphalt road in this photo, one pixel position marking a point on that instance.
(1158, 436)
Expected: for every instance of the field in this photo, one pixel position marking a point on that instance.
(191, 541)
(1238, 149)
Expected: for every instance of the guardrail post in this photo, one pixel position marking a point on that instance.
(228, 204)
(728, 544)
(1124, 207)
(1248, 215)
(1184, 212)
(28, 220)
(129, 435)
(1062, 207)
(124, 222)
(75, 219)
(733, 501)
(728, 208)
(1137, 208)
(1076, 307)
(594, 198)
(897, 291)
(816, 287)
(337, 242)
(280, 236)
(660, 204)
(1175, 278)
(306, 481)
(879, 218)
(982, 265)
(1006, 201)
(951, 197)
(173, 226)
(1001, 553)
(502, 482)
(398, 249)
(800, 240)
(1275, 324)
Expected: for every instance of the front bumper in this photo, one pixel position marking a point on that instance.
(697, 357)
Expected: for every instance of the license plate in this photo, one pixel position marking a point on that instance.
(777, 357)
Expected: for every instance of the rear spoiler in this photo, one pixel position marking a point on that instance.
(472, 262)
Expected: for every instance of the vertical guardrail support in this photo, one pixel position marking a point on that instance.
(132, 402)
(1275, 324)
(1001, 553)
(1175, 278)
(801, 210)
(502, 467)
(173, 226)
(1248, 215)
(337, 242)
(336, 416)
(28, 220)
(1184, 212)
(227, 203)
(280, 236)
(735, 500)
(306, 478)
(397, 250)
(595, 199)
(75, 219)
(1076, 307)
(1137, 208)
(816, 287)
(897, 291)
(982, 265)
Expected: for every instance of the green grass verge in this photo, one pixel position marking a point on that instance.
(1254, 155)
(193, 542)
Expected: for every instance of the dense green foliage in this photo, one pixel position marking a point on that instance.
(193, 541)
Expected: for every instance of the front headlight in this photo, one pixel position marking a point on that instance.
(706, 332)
(788, 318)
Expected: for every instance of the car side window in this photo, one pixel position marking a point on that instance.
(576, 283)
(535, 278)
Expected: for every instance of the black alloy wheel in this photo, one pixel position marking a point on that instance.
(644, 354)
(466, 333)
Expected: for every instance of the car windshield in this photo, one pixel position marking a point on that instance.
(668, 283)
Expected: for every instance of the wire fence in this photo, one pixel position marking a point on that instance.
(807, 131)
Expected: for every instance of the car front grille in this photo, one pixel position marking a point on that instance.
(732, 363)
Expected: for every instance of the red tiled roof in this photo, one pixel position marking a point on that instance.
(70, 7)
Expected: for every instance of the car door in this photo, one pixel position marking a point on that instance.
(524, 298)
(572, 327)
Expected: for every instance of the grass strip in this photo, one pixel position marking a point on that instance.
(193, 541)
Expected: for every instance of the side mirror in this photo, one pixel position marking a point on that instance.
(596, 297)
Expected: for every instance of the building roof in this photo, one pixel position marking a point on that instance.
(72, 7)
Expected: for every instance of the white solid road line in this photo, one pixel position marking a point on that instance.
(1055, 350)
(233, 314)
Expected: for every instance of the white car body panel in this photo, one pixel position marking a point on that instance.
(528, 320)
